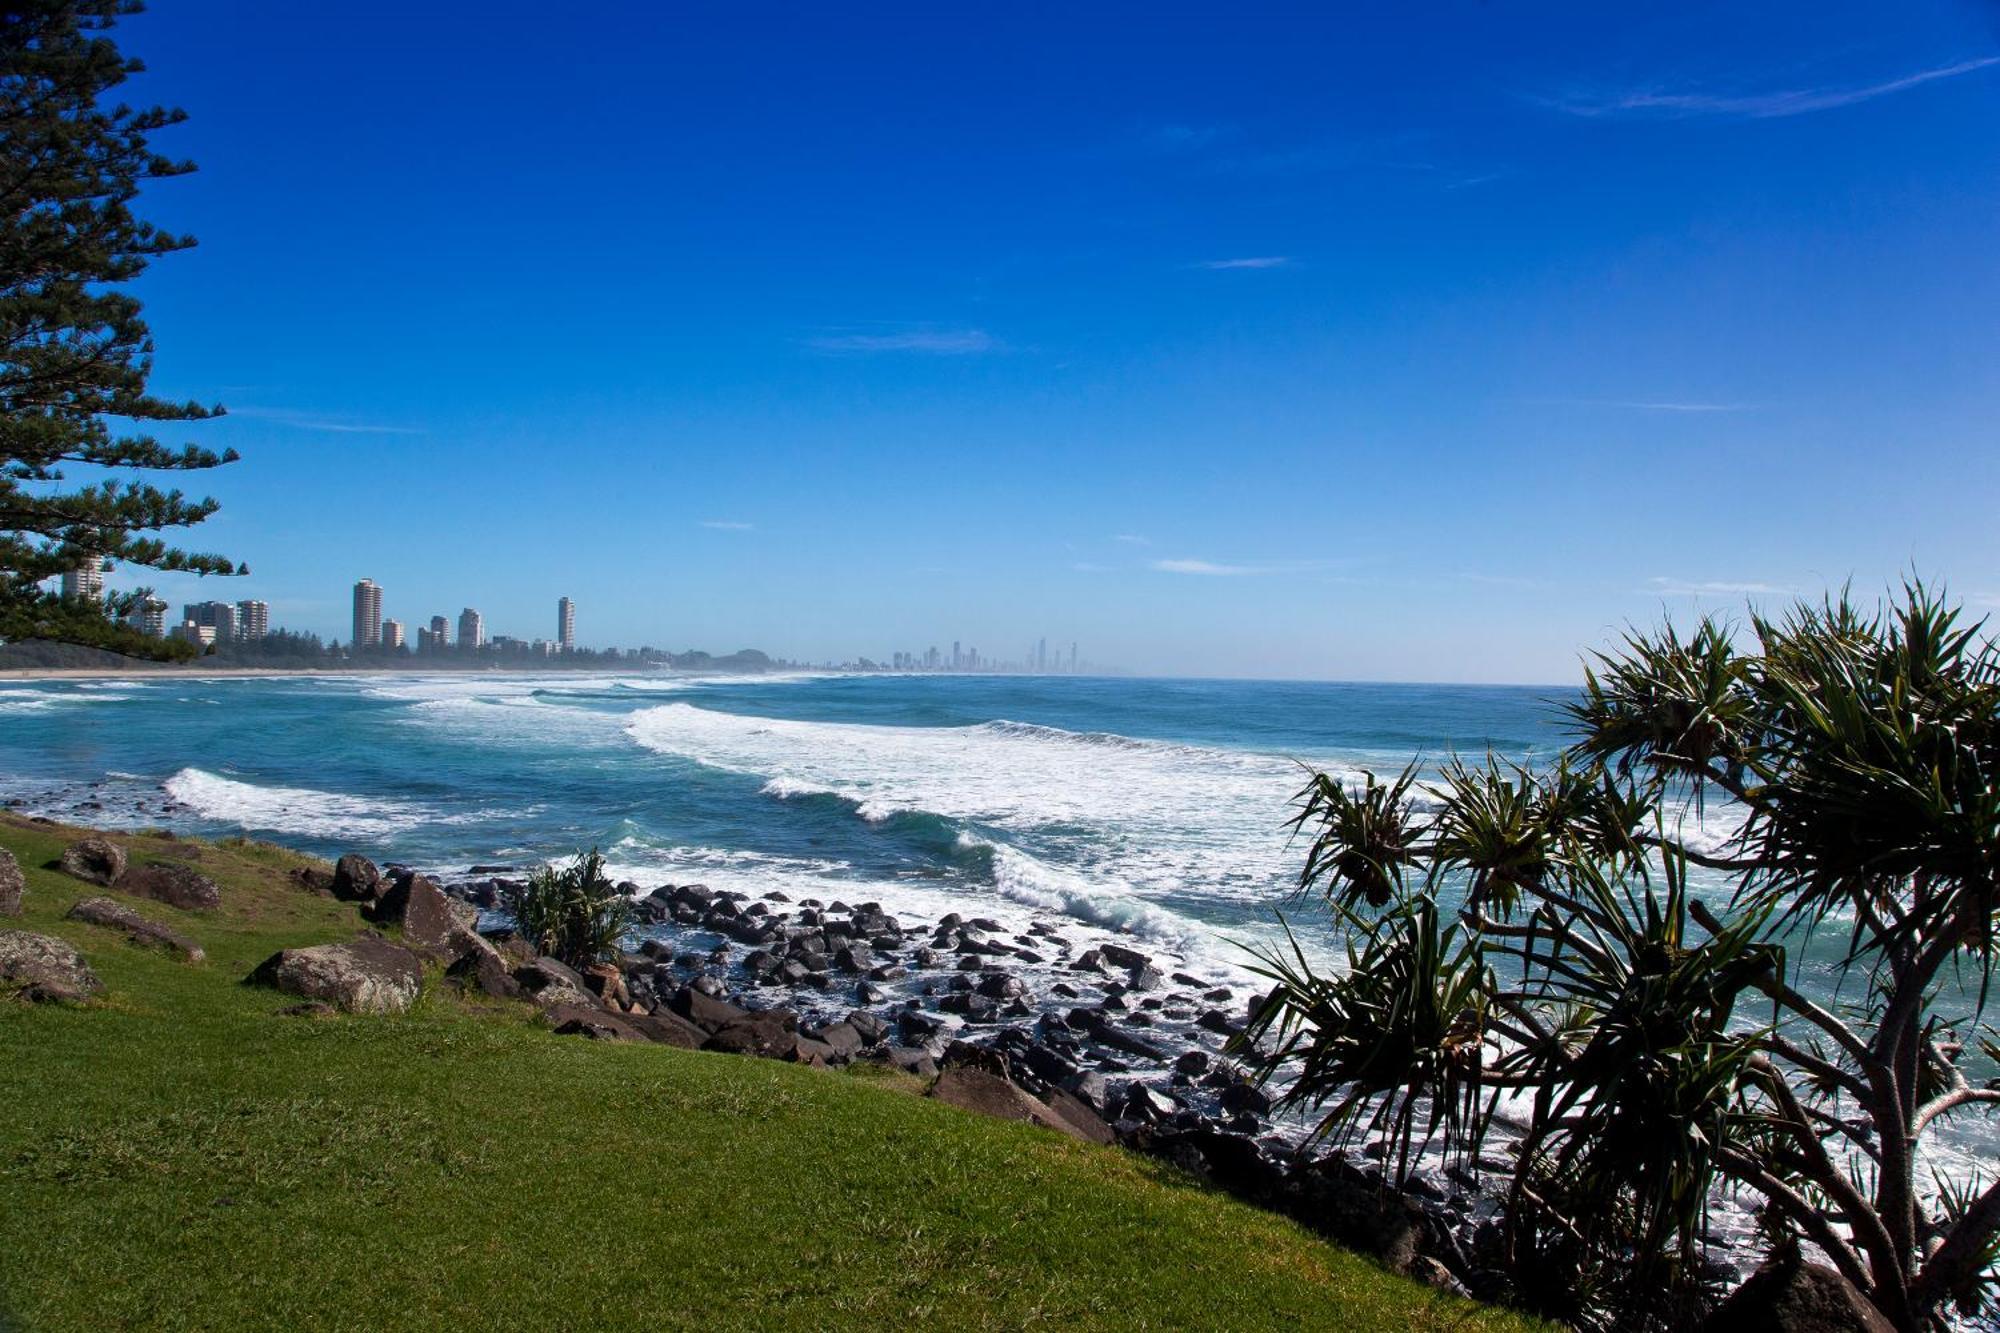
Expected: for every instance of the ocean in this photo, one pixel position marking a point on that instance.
(1153, 808)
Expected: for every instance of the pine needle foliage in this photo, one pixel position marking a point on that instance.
(75, 353)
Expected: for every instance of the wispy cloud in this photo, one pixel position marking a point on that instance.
(1769, 105)
(728, 525)
(1256, 261)
(283, 416)
(1644, 404)
(928, 342)
(1131, 539)
(1219, 569)
(1667, 587)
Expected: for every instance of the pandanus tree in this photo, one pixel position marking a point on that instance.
(1604, 957)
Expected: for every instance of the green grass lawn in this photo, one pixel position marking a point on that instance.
(182, 1155)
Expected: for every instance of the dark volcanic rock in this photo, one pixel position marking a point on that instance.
(434, 925)
(988, 1094)
(571, 1020)
(668, 1030)
(548, 982)
(367, 975)
(13, 885)
(705, 1011)
(116, 915)
(42, 967)
(754, 1035)
(1789, 1295)
(486, 970)
(356, 879)
(175, 885)
(1119, 956)
(94, 861)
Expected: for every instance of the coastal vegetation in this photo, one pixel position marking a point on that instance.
(574, 914)
(1533, 940)
(189, 1151)
(75, 353)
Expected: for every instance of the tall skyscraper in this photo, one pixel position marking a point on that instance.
(218, 616)
(957, 659)
(150, 617)
(392, 634)
(253, 620)
(86, 580)
(566, 625)
(1041, 654)
(471, 629)
(367, 614)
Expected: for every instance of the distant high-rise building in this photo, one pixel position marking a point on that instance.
(392, 634)
(218, 616)
(1072, 657)
(957, 658)
(201, 636)
(150, 618)
(471, 629)
(86, 580)
(566, 625)
(367, 614)
(1041, 655)
(253, 620)
(440, 633)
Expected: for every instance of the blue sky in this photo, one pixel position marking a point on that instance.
(1407, 342)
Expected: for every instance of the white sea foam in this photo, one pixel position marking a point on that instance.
(302, 811)
(1162, 817)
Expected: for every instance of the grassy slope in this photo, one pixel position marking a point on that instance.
(183, 1156)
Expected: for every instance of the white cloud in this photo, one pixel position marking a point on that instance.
(1218, 569)
(284, 416)
(1666, 587)
(1256, 261)
(1758, 105)
(930, 342)
(728, 525)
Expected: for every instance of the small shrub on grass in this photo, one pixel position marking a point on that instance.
(574, 914)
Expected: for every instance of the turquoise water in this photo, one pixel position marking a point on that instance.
(1147, 807)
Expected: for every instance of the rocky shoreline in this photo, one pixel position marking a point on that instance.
(1104, 1042)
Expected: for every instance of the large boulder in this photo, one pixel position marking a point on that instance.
(573, 1020)
(13, 885)
(705, 1011)
(482, 967)
(356, 879)
(175, 885)
(548, 982)
(42, 967)
(1790, 1295)
(977, 1090)
(95, 861)
(114, 915)
(435, 925)
(755, 1034)
(366, 975)
(668, 1030)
